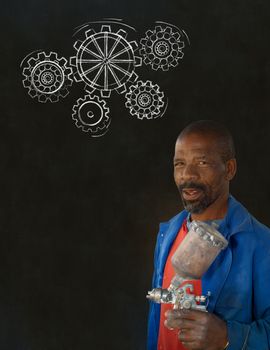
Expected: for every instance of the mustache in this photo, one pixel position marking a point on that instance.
(190, 184)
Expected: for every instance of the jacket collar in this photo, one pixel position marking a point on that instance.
(236, 220)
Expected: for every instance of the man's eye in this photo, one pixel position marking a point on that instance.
(202, 162)
(179, 164)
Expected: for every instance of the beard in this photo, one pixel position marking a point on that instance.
(197, 206)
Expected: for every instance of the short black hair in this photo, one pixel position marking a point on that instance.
(216, 130)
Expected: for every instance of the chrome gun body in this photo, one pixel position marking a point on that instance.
(180, 298)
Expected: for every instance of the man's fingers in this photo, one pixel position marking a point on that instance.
(193, 315)
(185, 335)
(189, 339)
(197, 329)
(190, 345)
(179, 323)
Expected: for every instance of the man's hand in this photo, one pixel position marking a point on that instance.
(198, 329)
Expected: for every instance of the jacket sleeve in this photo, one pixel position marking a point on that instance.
(256, 335)
(154, 309)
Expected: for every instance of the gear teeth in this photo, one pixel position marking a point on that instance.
(105, 93)
(89, 33)
(144, 100)
(56, 71)
(73, 61)
(106, 28)
(134, 45)
(26, 83)
(26, 71)
(138, 61)
(77, 44)
(77, 123)
(42, 98)
(77, 77)
(159, 29)
(105, 41)
(181, 45)
(32, 62)
(134, 76)
(85, 128)
(122, 33)
(68, 71)
(177, 36)
(174, 64)
(121, 89)
(41, 57)
(168, 30)
(62, 61)
(89, 89)
(64, 92)
(147, 60)
(32, 93)
(54, 98)
(80, 100)
(166, 53)
(143, 41)
(53, 57)
(68, 82)
(181, 54)
(100, 127)
(47, 76)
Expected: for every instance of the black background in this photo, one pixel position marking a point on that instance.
(79, 215)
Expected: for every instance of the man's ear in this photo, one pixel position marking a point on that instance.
(231, 167)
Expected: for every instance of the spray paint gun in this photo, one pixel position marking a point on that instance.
(190, 261)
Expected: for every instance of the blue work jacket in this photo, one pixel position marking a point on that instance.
(238, 279)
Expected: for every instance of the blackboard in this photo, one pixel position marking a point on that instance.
(79, 215)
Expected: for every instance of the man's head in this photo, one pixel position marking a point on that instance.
(204, 164)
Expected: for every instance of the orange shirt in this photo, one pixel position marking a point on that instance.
(168, 339)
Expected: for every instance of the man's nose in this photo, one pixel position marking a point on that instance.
(190, 172)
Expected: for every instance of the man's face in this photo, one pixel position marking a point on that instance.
(199, 172)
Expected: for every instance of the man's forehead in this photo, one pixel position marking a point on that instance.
(197, 152)
(206, 134)
(197, 144)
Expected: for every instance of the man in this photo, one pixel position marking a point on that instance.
(238, 314)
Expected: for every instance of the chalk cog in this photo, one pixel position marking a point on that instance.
(145, 100)
(105, 61)
(162, 48)
(91, 114)
(47, 77)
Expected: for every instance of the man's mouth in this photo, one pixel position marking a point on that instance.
(191, 194)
